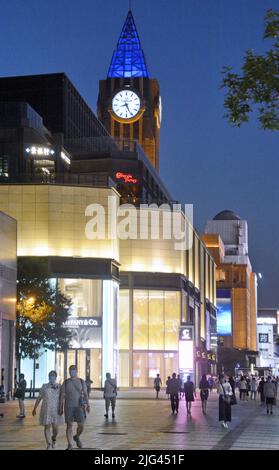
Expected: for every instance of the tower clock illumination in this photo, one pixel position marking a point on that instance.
(126, 104)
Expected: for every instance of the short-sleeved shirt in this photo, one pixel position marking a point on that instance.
(71, 391)
(22, 387)
(110, 388)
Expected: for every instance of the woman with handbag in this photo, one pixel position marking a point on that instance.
(225, 394)
(204, 392)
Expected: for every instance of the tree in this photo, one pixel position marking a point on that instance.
(42, 310)
(258, 85)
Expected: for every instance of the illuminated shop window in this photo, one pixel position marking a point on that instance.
(86, 296)
(123, 319)
(156, 319)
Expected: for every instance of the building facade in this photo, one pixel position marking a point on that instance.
(140, 305)
(132, 298)
(268, 339)
(227, 239)
(8, 276)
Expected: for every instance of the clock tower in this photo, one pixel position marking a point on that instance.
(129, 102)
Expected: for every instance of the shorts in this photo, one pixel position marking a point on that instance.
(74, 414)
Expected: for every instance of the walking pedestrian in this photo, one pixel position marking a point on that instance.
(167, 387)
(157, 385)
(74, 400)
(20, 394)
(242, 388)
(270, 394)
(225, 392)
(204, 392)
(254, 387)
(181, 387)
(49, 394)
(261, 390)
(88, 382)
(248, 389)
(174, 388)
(110, 394)
(189, 392)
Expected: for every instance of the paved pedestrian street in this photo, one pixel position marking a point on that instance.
(144, 423)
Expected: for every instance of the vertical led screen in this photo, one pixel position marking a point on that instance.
(224, 317)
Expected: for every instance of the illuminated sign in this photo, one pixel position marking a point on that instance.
(126, 177)
(76, 322)
(263, 338)
(266, 321)
(205, 356)
(224, 317)
(186, 359)
(40, 151)
(65, 158)
(186, 334)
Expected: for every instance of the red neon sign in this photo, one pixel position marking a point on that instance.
(127, 177)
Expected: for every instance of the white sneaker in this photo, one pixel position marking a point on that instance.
(226, 426)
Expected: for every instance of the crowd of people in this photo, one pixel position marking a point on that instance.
(71, 399)
(226, 387)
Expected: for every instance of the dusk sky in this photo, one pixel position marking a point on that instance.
(204, 160)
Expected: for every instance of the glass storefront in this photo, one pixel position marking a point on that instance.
(150, 319)
(85, 294)
(93, 344)
(156, 320)
(146, 365)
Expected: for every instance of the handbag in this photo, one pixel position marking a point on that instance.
(82, 402)
(18, 393)
(114, 388)
(233, 400)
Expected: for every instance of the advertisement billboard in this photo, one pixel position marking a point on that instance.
(224, 317)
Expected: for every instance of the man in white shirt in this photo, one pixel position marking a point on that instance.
(110, 393)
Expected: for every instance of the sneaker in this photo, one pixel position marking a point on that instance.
(70, 447)
(53, 442)
(78, 442)
(21, 416)
(106, 416)
(48, 447)
(113, 415)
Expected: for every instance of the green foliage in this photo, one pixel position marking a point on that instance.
(41, 311)
(258, 85)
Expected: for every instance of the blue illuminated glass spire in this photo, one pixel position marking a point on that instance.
(128, 59)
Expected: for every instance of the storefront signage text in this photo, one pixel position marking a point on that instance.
(126, 177)
(76, 322)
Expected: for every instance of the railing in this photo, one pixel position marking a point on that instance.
(99, 180)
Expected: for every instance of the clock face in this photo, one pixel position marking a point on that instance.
(126, 104)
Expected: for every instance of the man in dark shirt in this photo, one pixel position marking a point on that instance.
(21, 386)
(174, 388)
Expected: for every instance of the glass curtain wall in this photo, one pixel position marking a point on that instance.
(156, 320)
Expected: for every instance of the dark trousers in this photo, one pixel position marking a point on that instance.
(174, 402)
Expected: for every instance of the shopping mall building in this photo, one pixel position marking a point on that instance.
(140, 306)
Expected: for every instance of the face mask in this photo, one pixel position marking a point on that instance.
(51, 379)
(73, 373)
